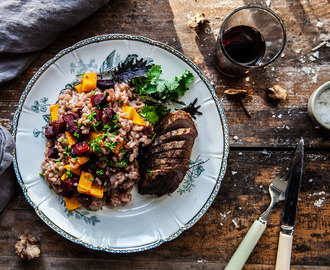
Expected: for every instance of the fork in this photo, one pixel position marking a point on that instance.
(277, 193)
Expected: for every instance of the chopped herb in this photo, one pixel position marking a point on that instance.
(64, 140)
(123, 162)
(104, 93)
(90, 116)
(93, 92)
(99, 172)
(91, 179)
(95, 144)
(68, 173)
(56, 171)
(50, 187)
(78, 124)
(67, 151)
(153, 136)
(40, 174)
(76, 135)
(75, 159)
(80, 74)
(119, 102)
(58, 163)
(105, 183)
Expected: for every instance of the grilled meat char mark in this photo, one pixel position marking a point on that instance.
(174, 145)
(175, 135)
(164, 179)
(176, 153)
(176, 120)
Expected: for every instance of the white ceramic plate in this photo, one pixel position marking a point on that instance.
(146, 221)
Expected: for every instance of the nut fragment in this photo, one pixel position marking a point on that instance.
(196, 20)
(277, 92)
(232, 92)
(28, 247)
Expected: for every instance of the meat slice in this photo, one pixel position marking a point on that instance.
(176, 153)
(180, 134)
(176, 120)
(170, 146)
(164, 179)
(154, 162)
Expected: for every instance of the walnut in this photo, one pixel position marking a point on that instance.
(28, 247)
(277, 92)
(196, 20)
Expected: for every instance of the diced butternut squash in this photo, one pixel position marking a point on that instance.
(133, 115)
(71, 139)
(93, 135)
(78, 162)
(63, 177)
(118, 147)
(76, 171)
(53, 112)
(129, 110)
(72, 203)
(82, 190)
(85, 181)
(138, 120)
(78, 87)
(96, 191)
(89, 82)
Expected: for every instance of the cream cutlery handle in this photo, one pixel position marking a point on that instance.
(245, 248)
(284, 252)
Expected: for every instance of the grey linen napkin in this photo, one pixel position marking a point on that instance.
(8, 187)
(27, 26)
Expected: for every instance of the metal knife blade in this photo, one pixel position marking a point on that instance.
(290, 211)
(292, 189)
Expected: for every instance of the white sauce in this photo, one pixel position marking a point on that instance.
(322, 106)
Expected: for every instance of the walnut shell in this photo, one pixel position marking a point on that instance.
(28, 247)
(277, 92)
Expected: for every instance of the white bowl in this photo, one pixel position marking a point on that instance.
(314, 106)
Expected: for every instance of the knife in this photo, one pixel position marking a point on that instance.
(289, 213)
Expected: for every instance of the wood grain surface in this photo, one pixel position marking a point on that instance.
(259, 146)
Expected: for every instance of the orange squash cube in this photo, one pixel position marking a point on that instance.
(89, 82)
(71, 139)
(96, 191)
(72, 203)
(53, 112)
(85, 181)
(78, 87)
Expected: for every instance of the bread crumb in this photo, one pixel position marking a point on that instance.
(196, 20)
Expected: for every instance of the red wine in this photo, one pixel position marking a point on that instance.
(244, 44)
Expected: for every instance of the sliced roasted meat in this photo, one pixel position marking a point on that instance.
(176, 120)
(176, 153)
(166, 160)
(164, 179)
(171, 146)
(154, 162)
(180, 134)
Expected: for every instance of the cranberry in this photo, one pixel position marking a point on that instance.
(58, 126)
(49, 132)
(70, 122)
(68, 188)
(85, 200)
(53, 153)
(99, 99)
(79, 148)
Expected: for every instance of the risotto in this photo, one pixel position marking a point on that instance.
(93, 144)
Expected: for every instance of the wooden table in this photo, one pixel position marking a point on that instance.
(259, 145)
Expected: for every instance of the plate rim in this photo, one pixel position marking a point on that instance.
(98, 39)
